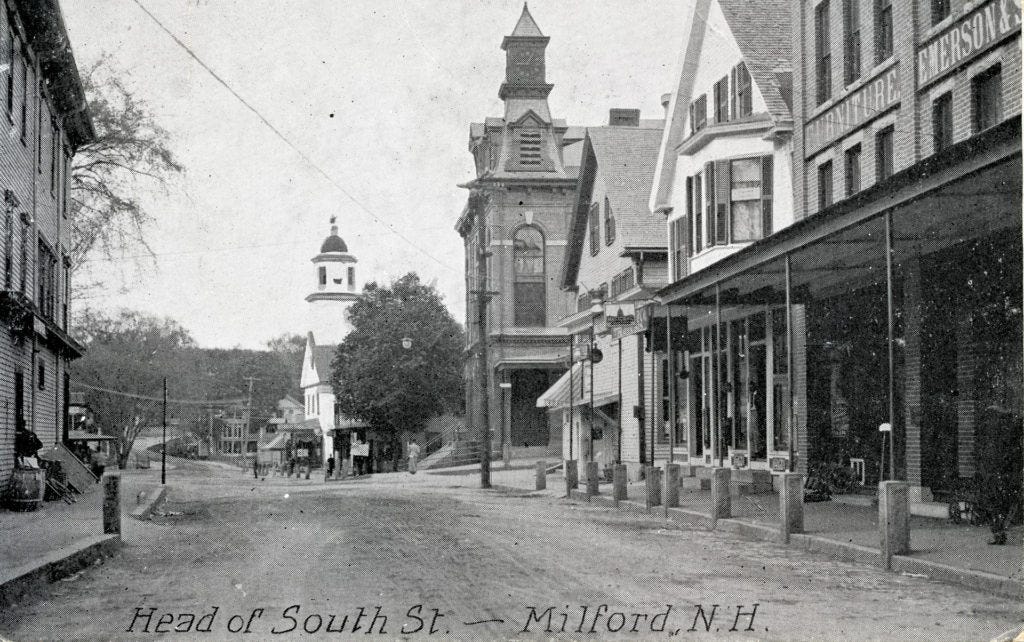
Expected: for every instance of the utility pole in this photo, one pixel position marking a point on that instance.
(248, 427)
(483, 297)
(163, 445)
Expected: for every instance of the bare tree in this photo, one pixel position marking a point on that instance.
(129, 154)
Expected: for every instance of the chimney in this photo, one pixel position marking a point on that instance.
(624, 117)
(665, 100)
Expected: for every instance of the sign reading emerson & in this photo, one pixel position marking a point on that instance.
(870, 101)
(967, 39)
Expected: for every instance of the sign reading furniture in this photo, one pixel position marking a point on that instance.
(967, 39)
(865, 104)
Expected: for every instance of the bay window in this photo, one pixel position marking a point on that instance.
(735, 204)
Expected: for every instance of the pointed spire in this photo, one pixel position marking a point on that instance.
(526, 27)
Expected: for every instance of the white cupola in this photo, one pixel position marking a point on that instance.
(335, 288)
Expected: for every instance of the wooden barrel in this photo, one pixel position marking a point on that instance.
(27, 488)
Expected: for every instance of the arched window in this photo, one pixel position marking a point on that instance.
(609, 223)
(528, 287)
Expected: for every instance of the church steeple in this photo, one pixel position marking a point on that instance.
(524, 60)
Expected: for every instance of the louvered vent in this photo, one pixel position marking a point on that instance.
(529, 148)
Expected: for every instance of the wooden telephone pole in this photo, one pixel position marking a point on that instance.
(483, 298)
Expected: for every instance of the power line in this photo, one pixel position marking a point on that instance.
(180, 402)
(285, 139)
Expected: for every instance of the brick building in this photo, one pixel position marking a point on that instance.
(46, 119)
(616, 259)
(900, 280)
(514, 228)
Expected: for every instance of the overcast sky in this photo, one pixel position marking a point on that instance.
(378, 93)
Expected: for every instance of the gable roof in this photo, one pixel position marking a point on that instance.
(763, 32)
(625, 157)
(322, 357)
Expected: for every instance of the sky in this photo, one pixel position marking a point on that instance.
(378, 94)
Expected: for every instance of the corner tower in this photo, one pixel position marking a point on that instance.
(336, 288)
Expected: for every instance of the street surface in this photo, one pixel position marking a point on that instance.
(289, 559)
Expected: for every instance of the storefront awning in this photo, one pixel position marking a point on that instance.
(557, 396)
(277, 443)
(844, 242)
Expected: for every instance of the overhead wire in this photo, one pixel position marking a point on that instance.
(277, 132)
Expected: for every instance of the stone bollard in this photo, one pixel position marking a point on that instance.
(791, 504)
(893, 519)
(619, 480)
(542, 475)
(572, 476)
(653, 486)
(721, 501)
(672, 472)
(593, 479)
(112, 504)
(309, 468)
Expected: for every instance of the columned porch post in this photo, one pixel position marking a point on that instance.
(791, 437)
(671, 376)
(716, 359)
(890, 323)
(572, 390)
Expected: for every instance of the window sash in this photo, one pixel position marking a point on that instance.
(883, 30)
(609, 223)
(942, 122)
(825, 179)
(884, 153)
(851, 41)
(595, 230)
(822, 52)
(722, 100)
(940, 9)
(986, 90)
(852, 170)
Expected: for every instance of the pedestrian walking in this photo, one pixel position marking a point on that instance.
(414, 454)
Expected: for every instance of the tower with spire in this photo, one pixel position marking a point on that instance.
(515, 227)
(335, 288)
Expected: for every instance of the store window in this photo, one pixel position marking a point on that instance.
(528, 288)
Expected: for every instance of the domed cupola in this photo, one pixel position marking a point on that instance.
(333, 243)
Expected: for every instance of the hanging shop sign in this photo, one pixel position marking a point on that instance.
(872, 100)
(618, 315)
(967, 39)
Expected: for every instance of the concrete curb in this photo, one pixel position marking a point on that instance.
(23, 580)
(841, 551)
(153, 500)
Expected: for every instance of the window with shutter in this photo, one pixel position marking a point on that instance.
(698, 214)
(689, 209)
(709, 202)
(609, 223)
(745, 199)
(595, 229)
(732, 94)
(723, 179)
(721, 92)
(767, 191)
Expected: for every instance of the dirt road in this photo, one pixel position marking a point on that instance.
(284, 559)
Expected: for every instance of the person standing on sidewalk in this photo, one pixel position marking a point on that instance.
(414, 454)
